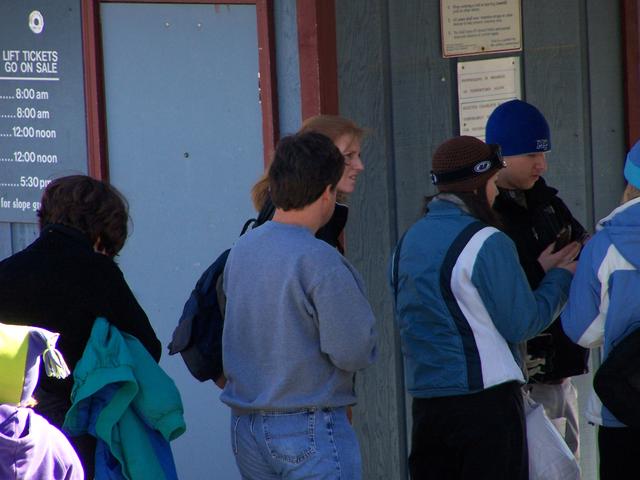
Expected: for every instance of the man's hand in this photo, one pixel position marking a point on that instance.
(563, 258)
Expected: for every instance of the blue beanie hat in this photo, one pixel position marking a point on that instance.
(519, 128)
(632, 166)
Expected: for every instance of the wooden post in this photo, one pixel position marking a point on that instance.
(631, 44)
(318, 58)
(94, 91)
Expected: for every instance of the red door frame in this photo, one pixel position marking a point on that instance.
(318, 58)
(94, 77)
(316, 21)
(631, 47)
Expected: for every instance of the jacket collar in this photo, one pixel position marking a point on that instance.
(539, 194)
(616, 211)
(447, 204)
(66, 231)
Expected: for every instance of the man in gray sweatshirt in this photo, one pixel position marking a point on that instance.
(297, 327)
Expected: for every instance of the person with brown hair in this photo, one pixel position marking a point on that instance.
(347, 136)
(463, 304)
(297, 327)
(67, 278)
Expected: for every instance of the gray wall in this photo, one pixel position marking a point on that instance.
(393, 80)
(15, 237)
(287, 66)
(365, 95)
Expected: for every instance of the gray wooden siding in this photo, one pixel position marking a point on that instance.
(5, 240)
(15, 237)
(363, 70)
(287, 66)
(606, 100)
(393, 80)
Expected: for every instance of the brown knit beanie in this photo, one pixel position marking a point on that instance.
(464, 164)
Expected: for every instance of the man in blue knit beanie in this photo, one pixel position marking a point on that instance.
(541, 226)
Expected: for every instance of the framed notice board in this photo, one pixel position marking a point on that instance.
(42, 105)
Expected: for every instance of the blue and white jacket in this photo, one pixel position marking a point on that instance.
(463, 304)
(604, 304)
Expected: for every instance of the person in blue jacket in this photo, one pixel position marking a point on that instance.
(463, 304)
(604, 307)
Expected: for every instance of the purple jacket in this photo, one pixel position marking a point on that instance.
(30, 447)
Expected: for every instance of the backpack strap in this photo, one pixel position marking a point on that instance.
(247, 224)
(396, 263)
(265, 214)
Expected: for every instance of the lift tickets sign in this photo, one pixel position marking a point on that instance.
(42, 109)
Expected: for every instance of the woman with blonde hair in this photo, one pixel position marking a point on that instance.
(347, 136)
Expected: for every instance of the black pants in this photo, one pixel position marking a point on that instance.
(476, 436)
(619, 450)
(54, 410)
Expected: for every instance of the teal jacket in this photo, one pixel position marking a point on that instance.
(123, 398)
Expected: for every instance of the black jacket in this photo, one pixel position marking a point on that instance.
(59, 283)
(533, 228)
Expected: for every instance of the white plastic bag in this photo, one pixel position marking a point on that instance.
(549, 455)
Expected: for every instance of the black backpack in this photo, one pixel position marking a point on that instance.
(198, 336)
(617, 381)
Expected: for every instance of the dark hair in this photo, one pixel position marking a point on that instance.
(303, 166)
(95, 208)
(477, 203)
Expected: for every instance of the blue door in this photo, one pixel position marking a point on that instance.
(185, 146)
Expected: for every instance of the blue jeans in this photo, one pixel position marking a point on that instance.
(301, 444)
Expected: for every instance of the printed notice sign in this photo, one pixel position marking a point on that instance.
(42, 109)
(482, 86)
(475, 27)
